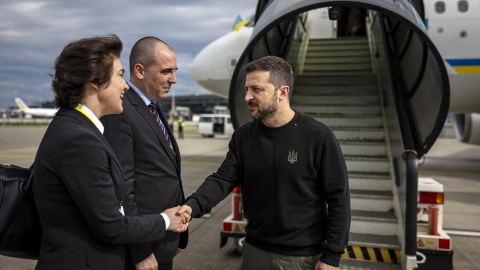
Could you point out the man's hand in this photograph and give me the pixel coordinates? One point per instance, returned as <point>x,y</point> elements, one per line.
<point>185,209</point>
<point>179,250</point>
<point>182,228</point>
<point>149,263</point>
<point>178,222</point>
<point>323,266</point>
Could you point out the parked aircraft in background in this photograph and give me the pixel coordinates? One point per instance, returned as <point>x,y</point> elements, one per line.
<point>35,112</point>
<point>452,26</point>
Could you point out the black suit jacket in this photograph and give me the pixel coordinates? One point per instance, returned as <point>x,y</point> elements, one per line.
<point>152,170</point>
<point>78,187</point>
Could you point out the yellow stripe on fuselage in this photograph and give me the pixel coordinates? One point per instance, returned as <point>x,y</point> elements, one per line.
<point>467,69</point>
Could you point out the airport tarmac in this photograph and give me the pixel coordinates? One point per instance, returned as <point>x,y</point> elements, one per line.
<point>453,164</point>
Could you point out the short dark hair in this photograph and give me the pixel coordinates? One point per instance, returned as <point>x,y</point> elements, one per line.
<point>81,62</point>
<point>281,72</point>
<point>143,52</point>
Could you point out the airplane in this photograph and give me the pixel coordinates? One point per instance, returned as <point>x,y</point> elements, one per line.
<point>35,112</point>
<point>451,26</point>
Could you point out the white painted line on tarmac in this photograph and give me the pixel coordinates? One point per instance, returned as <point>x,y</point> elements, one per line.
<point>463,233</point>
<point>450,173</point>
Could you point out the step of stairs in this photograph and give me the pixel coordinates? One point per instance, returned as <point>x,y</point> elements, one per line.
<point>357,148</point>
<point>373,248</point>
<point>338,67</point>
<point>338,59</point>
<point>371,200</point>
<point>338,41</point>
<point>343,79</point>
<point>320,99</point>
<point>352,109</point>
<point>362,121</point>
<point>341,52</point>
<point>359,71</point>
<point>369,181</point>
<point>373,222</point>
<point>359,134</point>
<point>367,164</point>
<point>312,90</point>
<point>359,47</point>
<point>368,240</point>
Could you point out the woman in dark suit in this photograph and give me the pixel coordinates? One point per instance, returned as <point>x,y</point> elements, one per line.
<point>78,182</point>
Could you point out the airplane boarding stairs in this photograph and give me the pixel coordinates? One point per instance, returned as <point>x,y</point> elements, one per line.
<point>338,88</point>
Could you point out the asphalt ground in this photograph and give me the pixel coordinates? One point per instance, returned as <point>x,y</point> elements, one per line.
<point>453,164</point>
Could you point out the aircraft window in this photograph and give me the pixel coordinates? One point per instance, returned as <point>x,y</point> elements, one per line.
<point>233,62</point>
<point>440,7</point>
<point>462,6</point>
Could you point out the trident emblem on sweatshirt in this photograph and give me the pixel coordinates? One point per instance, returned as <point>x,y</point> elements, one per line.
<point>292,156</point>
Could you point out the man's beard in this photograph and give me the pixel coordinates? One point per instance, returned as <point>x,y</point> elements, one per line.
<point>268,112</point>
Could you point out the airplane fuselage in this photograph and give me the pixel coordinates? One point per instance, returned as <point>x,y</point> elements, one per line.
<point>40,112</point>
<point>453,27</point>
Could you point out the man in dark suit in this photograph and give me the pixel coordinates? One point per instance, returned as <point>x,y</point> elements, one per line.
<point>146,147</point>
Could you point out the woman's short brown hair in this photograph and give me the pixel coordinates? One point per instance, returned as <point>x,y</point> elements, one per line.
<point>81,62</point>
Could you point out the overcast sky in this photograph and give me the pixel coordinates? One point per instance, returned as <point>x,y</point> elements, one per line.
<point>33,33</point>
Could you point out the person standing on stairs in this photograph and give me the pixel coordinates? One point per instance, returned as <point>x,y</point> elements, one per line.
<point>291,170</point>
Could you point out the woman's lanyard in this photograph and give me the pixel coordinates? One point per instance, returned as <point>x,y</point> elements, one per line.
<point>84,113</point>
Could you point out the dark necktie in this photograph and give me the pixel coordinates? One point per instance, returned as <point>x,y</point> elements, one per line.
<point>153,108</point>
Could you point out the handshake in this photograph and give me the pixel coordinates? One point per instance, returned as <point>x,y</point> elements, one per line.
<point>180,217</point>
